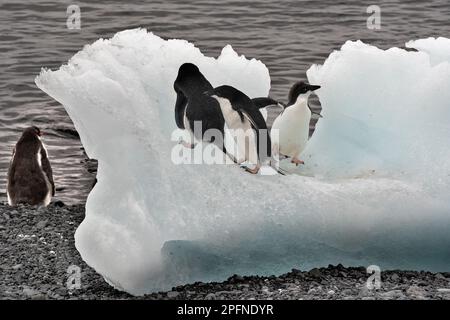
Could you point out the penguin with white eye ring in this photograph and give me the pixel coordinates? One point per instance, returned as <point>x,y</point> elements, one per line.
<point>30,177</point>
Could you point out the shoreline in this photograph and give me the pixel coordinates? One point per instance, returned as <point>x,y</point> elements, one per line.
<point>38,246</point>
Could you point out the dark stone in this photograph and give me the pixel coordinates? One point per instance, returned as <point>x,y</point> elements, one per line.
<point>59,204</point>
<point>315,273</point>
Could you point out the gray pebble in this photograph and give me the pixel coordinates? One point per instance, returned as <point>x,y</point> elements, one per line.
<point>416,292</point>
<point>61,291</point>
<point>41,224</point>
<point>210,296</point>
<point>172,294</point>
<point>441,276</point>
<point>395,277</point>
<point>315,273</point>
<point>444,290</point>
<point>393,294</point>
<point>29,292</point>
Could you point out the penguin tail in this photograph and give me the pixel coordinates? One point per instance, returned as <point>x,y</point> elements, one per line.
<point>264,102</point>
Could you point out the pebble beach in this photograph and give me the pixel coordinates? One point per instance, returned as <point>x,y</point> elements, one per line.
<point>38,247</point>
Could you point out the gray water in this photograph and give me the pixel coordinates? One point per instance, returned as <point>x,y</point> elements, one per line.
<point>288,36</point>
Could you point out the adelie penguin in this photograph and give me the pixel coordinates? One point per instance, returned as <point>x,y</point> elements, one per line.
<point>290,130</point>
<point>195,104</point>
<point>215,108</point>
<point>30,177</point>
<point>248,127</point>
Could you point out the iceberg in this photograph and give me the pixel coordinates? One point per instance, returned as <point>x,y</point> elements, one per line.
<point>374,189</point>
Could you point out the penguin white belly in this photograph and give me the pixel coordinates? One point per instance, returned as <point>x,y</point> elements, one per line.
<point>9,198</point>
<point>7,186</point>
<point>187,126</point>
<point>292,127</point>
<point>48,196</point>
<point>240,132</point>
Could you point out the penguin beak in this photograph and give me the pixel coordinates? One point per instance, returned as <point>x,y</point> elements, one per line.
<point>312,87</point>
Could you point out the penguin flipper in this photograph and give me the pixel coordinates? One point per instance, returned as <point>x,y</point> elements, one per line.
<point>252,114</point>
<point>259,124</point>
<point>263,102</point>
<point>249,118</point>
<point>46,167</point>
<point>241,103</point>
<point>180,106</point>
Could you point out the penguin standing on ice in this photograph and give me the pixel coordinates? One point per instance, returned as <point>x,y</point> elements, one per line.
<point>195,104</point>
<point>290,130</point>
<point>249,127</point>
<point>225,106</point>
<point>30,178</point>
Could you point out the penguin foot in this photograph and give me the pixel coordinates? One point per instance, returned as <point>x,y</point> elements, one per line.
<point>187,144</point>
<point>297,161</point>
<point>255,170</point>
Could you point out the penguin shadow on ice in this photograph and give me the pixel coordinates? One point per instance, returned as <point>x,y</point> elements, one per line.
<point>223,113</point>
<point>290,129</point>
<point>30,176</point>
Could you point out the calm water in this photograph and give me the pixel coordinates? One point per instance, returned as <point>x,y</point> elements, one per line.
<point>288,36</point>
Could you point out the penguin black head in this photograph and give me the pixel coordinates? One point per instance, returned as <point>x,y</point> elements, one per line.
<point>31,132</point>
<point>30,177</point>
<point>187,69</point>
<point>191,81</point>
<point>299,88</point>
<point>37,131</point>
<point>29,142</point>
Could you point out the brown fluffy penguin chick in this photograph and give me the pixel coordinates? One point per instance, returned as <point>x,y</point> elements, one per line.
<point>30,178</point>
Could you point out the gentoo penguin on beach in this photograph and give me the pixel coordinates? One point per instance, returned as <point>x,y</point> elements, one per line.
<point>290,130</point>
<point>30,178</point>
<point>225,106</point>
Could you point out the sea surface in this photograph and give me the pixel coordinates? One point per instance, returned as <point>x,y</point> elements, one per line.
<point>288,36</point>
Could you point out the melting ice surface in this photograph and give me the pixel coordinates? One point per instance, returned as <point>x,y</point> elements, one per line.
<point>375,188</point>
